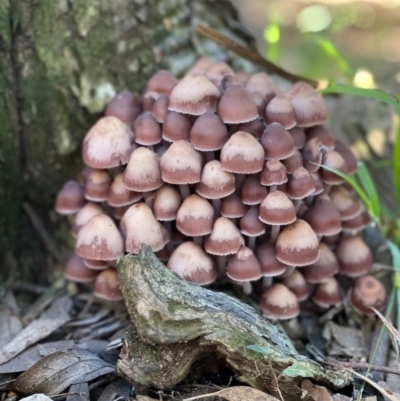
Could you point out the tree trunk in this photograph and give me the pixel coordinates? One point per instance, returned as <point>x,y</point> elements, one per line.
<point>60,63</point>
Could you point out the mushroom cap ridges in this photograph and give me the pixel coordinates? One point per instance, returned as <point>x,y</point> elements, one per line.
<point>147,130</point>
<point>107,144</point>
<point>161,83</point>
<point>215,183</point>
<point>354,256</point>
<point>277,209</point>
<point>195,216</point>
<point>119,195</point>
<point>84,215</point>
<point>280,110</point>
<point>367,292</point>
<point>75,270</point>
<point>99,239</point>
<point>327,294</point>
<point>181,164</point>
<point>324,268</point>
<point>142,174</point>
<point>190,262</point>
<point>273,173</point>
<point>225,238</point>
<point>194,95</point>
<point>166,203</point>
<point>278,302</point>
<point>242,154</point>
<point>70,199</point>
<point>297,244</point>
<point>142,228</point>
<point>106,286</point>
<point>236,106</point>
<point>243,266</point>
<point>277,142</point>
<point>270,265</point>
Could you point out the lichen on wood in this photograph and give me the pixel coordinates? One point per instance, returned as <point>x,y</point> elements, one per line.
<point>176,323</point>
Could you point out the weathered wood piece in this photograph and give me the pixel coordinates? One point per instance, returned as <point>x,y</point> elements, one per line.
<point>177,323</point>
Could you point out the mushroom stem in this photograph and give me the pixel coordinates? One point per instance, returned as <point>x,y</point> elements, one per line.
<point>146,195</point>
<point>169,245</point>
<point>209,156</point>
<point>272,188</point>
<point>251,242</point>
<point>247,288</point>
<point>239,181</point>
<point>217,207</point>
<point>289,270</point>
<point>274,233</point>
<point>221,266</point>
<point>297,204</point>
<point>267,282</point>
<point>198,241</point>
<point>184,190</point>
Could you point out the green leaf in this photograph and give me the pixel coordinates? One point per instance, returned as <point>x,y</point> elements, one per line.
<point>396,164</point>
<point>260,349</point>
<point>368,184</point>
<point>375,94</point>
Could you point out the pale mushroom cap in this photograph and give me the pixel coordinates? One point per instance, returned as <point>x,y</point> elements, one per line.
<point>327,294</point>
<point>99,239</point>
<point>367,293</point>
<point>273,206</point>
<point>143,228</point>
<point>181,164</point>
<point>106,286</point>
<point>70,199</point>
<point>242,154</point>
<point>280,110</point>
<point>166,203</point>
<point>107,144</point>
<point>161,83</point>
<point>243,266</point>
<point>261,82</point>
<point>190,262</point>
<point>142,173</point>
<point>352,250</point>
<point>335,160</point>
<point>297,244</point>
<point>194,95</point>
<point>84,215</point>
<point>278,302</point>
<point>119,195</point>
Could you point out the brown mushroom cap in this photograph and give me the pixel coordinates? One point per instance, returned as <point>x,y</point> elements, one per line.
<point>277,142</point>
<point>297,245</point>
<point>225,238</point>
<point>96,264</point>
<point>312,154</point>
<point>119,195</point>
<point>232,206</point>
<point>277,209</point>
<point>319,185</point>
<point>324,268</point>
<point>84,215</point>
<point>75,270</point>
<point>273,173</point>
<point>367,293</point>
<point>181,164</point>
<point>278,302</point>
<point>195,216</point>
<point>97,186</point>
<point>217,71</point>
<point>354,256</point>
<point>357,223</point>
<point>194,95</point>
<point>70,199</point>
<point>348,156</point>
<point>243,266</point>
<point>215,183</point>
<point>236,106</point>
<point>280,110</point>
<point>99,239</point>
<point>161,83</point>
<point>334,160</point>
<point>160,108</point>
<point>254,128</point>
<point>190,262</point>
<point>250,224</point>
<point>270,265</point>
<point>166,203</point>
<point>345,203</point>
<point>327,294</point>
<point>107,144</point>
<point>142,228</point>
<point>299,137</point>
<point>293,162</point>
<point>260,82</point>
<point>123,106</point>
<point>106,286</point>
<point>297,284</point>
<point>300,184</point>
<point>142,174</point>
<point>242,154</point>
<point>319,131</point>
<point>252,192</point>
<point>147,130</point>
<point>176,127</point>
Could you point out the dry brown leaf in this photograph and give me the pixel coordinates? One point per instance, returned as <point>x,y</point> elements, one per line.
<point>318,393</point>
<point>52,319</point>
<point>238,393</point>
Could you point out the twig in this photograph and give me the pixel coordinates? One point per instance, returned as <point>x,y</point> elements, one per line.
<point>361,365</point>
<point>42,232</point>
<point>249,54</point>
<point>63,395</point>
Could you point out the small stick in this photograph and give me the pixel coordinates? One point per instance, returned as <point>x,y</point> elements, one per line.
<point>361,365</point>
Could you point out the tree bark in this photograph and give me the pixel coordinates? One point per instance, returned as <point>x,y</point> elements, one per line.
<point>60,62</point>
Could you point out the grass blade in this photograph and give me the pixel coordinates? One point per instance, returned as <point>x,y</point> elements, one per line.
<point>368,184</point>
<point>396,164</point>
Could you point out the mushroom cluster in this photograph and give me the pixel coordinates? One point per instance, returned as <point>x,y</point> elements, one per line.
<point>220,174</point>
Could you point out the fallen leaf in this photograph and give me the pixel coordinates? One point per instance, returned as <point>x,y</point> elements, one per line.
<point>81,391</point>
<point>36,397</point>
<point>318,393</point>
<point>57,371</point>
<point>10,324</point>
<point>52,319</point>
<point>238,393</point>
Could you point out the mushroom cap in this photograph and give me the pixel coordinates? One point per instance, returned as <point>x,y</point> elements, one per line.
<point>215,183</point>
<point>200,66</point>
<point>176,127</point>
<point>277,142</point>
<point>277,209</point>
<point>84,215</point>
<point>319,185</point>
<point>208,133</point>
<point>106,286</point>
<point>243,266</point>
<point>348,156</point>
<point>99,239</point>
<point>70,199</point>
<point>367,292</point>
<point>260,102</point>
<point>260,82</point>
<point>357,223</point>
<point>190,262</point>
<point>319,131</point>
<point>293,162</point>
<point>250,224</point>
<point>254,128</point>
<point>278,302</point>
<point>218,71</point>
<point>107,144</point>
<point>142,174</point>
<point>225,238</point>
<point>280,110</point>
<point>161,83</point>
<point>195,216</point>
<point>324,268</point>
<point>334,160</point>
<point>300,184</point>
<point>194,95</point>
<point>345,203</point>
<point>299,137</point>
<point>296,283</point>
<point>309,106</point>
<point>312,154</point>
<point>266,255</point>
<point>123,106</point>
<point>252,191</point>
<point>119,195</point>
<point>160,108</point>
<point>181,164</point>
<point>273,173</point>
<point>147,130</point>
<point>354,256</point>
<point>297,245</point>
<point>236,106</point>
<point>141,227</point>
<point>96,264</point>
<point>75,270</point>
<point>242,154</point>
<point>327,294</point>
<point>166,203</point>
<point>97,186</point>
<point>232,206</point>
